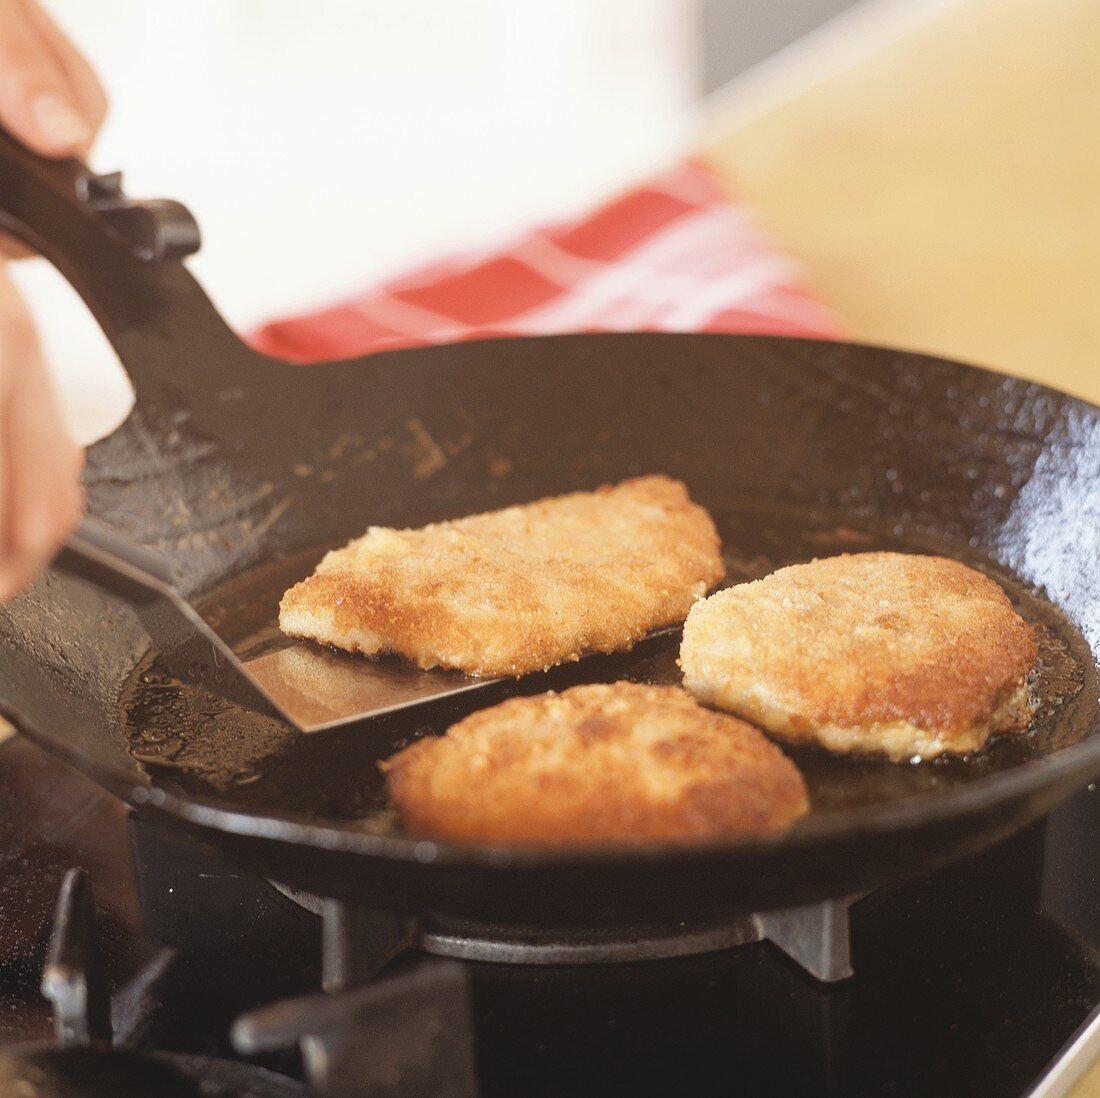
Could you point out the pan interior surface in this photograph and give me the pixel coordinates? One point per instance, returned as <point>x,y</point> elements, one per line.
<point>195,744</point>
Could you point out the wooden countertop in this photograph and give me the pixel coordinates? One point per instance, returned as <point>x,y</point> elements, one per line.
<point>936,167</point>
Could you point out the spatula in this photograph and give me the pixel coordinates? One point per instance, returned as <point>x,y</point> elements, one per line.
<point>304,684</point>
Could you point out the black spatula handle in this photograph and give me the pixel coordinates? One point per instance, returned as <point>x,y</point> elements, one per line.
<point>122,256</point>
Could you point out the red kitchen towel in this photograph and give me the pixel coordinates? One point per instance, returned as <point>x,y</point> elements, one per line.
<point>671,255</point>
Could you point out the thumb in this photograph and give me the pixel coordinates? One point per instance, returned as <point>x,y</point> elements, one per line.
<point>36,102</point>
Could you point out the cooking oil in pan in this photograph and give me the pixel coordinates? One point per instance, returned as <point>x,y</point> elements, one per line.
<point>186,738</point>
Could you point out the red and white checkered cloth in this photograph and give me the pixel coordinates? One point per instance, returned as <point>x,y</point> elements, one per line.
<point>672,255</point>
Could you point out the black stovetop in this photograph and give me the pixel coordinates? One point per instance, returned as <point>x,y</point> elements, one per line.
<point>967,982</point>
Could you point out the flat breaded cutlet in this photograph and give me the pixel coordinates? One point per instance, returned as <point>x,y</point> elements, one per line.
<point>891,654</point>
<point>516,590</point>
<point>614,763</point>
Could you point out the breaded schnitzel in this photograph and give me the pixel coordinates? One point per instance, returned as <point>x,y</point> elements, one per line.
<point>873,653</point>
<point>516,590</point>
<point>617,763</point>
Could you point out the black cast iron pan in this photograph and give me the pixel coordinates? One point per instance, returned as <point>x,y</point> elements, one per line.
<point>239,470</point>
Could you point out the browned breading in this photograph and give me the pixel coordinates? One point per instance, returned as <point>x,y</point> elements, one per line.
<point>618,763</point>
<point>874,653</point>
<point>520,589</point>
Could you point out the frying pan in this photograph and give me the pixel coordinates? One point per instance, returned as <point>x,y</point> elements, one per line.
<point>239,470</point>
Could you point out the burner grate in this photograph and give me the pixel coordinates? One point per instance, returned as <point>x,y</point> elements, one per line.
<point>84,1063</point>
<point>359,940</point>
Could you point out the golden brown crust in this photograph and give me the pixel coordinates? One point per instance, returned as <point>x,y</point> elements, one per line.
<point>520,589</point>
<point>880,653</point>
<point>620,763</point>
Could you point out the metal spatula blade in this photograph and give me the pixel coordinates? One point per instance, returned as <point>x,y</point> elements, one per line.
<point>186,646</point>
<point>308,686</point>
<point>319,689</point>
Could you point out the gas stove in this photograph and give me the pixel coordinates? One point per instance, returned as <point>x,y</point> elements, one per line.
<point>191,976</point>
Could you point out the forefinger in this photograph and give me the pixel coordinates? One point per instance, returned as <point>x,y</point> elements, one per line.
<point>90,98</point>
<point>36,99</point>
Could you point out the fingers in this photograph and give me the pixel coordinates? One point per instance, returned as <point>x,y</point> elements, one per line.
<point>39,463</point>
<point>44,498</point>
<point>49,98</point>
<point>11,247</point>
<point>88,92</point>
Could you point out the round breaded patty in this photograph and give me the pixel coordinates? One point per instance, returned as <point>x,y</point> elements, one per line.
<point>619,763</point>
<point>873,653</point>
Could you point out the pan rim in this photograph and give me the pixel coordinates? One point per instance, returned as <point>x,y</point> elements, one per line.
<point>925,810</point>
<point>389,357</point>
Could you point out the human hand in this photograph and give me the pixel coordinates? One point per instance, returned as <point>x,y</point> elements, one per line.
<point>51,100</point>
<point>40,497</point>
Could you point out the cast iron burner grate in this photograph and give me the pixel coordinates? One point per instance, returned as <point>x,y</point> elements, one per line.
<point>392,1010</point>
<point>253,957</point>
<point>418,1024</point>
<point>406,1035</point>
<point>84,1062</point>
<point>359,940</point>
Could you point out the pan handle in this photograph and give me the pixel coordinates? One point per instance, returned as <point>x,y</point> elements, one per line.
<point>122,256</point>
